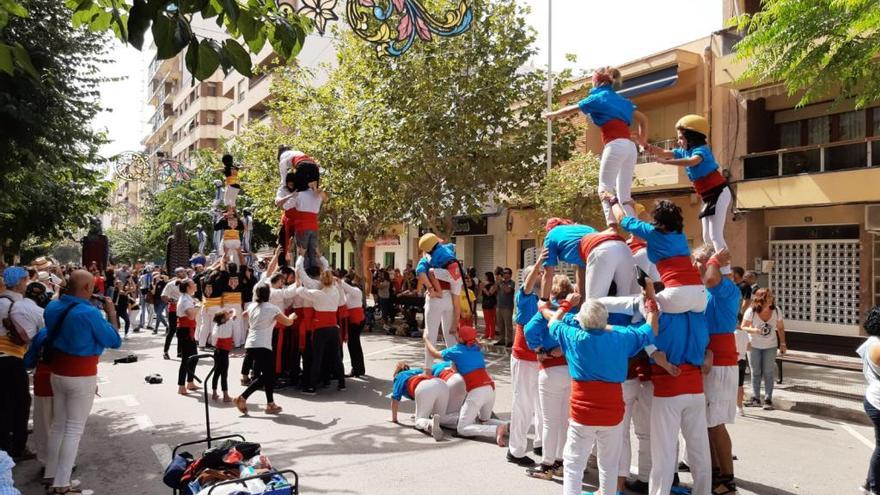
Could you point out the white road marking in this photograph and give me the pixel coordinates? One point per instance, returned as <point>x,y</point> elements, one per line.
<point>496,361</point>
<point>858,436</point>
<point>163,454</point>
<point>381,351</point>
<point>143,422</point>
<point>128,400</point>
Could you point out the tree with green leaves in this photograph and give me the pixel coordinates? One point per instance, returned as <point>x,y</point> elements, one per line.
<point>568,191</point>
<point>131,245</point>
<point>254,22</point>
<point>815,47</point>
<point>51,182</point>
<point>467,117</point>
<point>346,126</point>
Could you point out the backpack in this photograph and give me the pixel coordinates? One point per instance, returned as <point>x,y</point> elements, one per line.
<point>11,330</point>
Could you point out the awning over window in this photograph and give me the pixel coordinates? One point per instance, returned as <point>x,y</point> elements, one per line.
<point>651,81</point>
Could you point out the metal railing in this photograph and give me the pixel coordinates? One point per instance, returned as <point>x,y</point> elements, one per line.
<point>828,157</point>
<point>666,144</point>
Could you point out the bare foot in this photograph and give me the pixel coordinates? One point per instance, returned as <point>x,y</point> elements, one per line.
<point>500,433</point>
<point>273,409</point>
<point>241,404</point>
<point>215,396</point>
<point>227,398</point>
<point>181,390</point>
<point>192,386</point>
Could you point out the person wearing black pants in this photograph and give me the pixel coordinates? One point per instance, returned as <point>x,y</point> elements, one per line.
<point>170,295</point>
<point>15,407</point>
<point>323,296</point>
<point>186,336</point>
<point>263,317</point>
<point>223,342</point>
<point>355,306</point>
<point>326,353</point>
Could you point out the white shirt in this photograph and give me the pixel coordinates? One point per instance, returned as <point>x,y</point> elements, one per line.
<point>324,299</point>
<point>283,192</point>
<point>871,372</point>
<point>308,201</point>
<point>766,338</point>
<point>28,316</point>
<point>262,323</point>
<point>353,295</point>
<point>4,306</point>
<point>184,303</point>
<point>223,330</point>
<point>171,291</point>
<point>285,162</point>
<point>742,343</point>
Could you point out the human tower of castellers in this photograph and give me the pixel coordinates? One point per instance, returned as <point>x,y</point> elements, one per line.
<point>645,336</point>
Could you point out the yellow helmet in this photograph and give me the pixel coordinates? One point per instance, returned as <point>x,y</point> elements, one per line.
<point>640,208</point>
<point>694,123</point>
<point>428,241</point>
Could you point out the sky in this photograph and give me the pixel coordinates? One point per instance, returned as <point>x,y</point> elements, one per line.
<point>597,32</point>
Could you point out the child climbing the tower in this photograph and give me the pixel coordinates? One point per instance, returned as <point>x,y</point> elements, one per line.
<point>695,155</point>
<point>233,188</point>
<point>614,114</point>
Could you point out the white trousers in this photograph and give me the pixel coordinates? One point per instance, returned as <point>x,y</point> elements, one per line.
<point>642,261</point>
<point>637,396</point>
<point>669,415</point>
<point>475,418</point>
<point>238,334</point>
<point>230,248</point>
<point>577,450</point>
<point>457,393</point>
<point>682,299</point>
<point>438,313</point>
<point>554,390</point>
<point>625,305</point>
<point>524,375</point>
<point>431,398</point>
<point>616,169</point>
<point>42,424</point>
<point>611,261</point>
<point>230,195</point>
<point>719,387</point>
<point>206,322</point>
<point>713,225</point>
<point>71,405</point>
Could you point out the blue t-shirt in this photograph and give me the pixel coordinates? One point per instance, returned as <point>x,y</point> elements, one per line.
<point>564,244</point>
<point>599,354</point>
<point>661,245</point>
<point>702,169</point>
<point>722,307</point>
<point>526,306</point>
<point>442,255</point>
<point>603,104</point>
<point>439,367</point>
<point>84,331</point>
<point>536,330</point>
<point>683,337</point>
<point>399,388</point>
<point>466,358</point>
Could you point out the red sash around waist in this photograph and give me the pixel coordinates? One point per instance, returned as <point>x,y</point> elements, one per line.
<point>590,241</point>
<point>677,271</point>
<point>446,374</point>
<point>172,307</point>
<point>42,380</point>
<point>64,364</point>
<point>476,379</point>
<point>520,350</point>
<point>342,318</point>
<point>356,315</point>
<point>709,182</point>
<point>413,383</point>
<point>636,244</point>
<point>553,361</point>
<point>595,403</point>
<point>614,129</point>
<point>306,324</point>
<point>224,344</point>
<point>323,319</point>
<point>690,381</point>
<point>723,347</point>
<point>189,324</point>
<point>305,220</point>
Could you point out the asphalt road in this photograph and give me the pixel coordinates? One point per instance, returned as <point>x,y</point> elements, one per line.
<point>344,442</point>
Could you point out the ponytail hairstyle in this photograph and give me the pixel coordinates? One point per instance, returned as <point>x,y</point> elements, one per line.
<point>762,298</point>
<point>327,278</point>
<point>263,293</point>
<point>221,317</point>
<point>607,75</point>
<point>667,216</point>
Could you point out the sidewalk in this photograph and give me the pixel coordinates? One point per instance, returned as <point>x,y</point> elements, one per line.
<point>833,393</point>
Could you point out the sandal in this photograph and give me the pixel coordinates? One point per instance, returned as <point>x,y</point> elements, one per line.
<point>725,487</point>
<point>273,409</point>
<point>66,489</point>
<point>241,403</point>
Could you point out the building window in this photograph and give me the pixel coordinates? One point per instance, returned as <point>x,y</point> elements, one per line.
<point>388,260</point>
<point>209,118</point>
<point>790,135</point>
<point>351,261</point>
<point>524,245</point>
<point>818,130</point>
<point>333,260</point>
<point>239,123</point>
<point>852,125</point>
<point>242,89</point>
<point>211,89</point>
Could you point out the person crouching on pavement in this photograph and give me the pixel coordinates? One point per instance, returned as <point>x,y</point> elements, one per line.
<point>429,393</point>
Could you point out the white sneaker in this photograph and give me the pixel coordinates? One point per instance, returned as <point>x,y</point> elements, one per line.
<point>436,430</point>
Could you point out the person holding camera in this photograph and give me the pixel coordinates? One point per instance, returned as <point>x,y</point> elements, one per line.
<point>77,335</point>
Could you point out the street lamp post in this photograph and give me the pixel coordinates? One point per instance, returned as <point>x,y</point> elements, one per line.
<point>549,83</point>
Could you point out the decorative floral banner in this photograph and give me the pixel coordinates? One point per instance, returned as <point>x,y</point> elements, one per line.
<point>394,25</point>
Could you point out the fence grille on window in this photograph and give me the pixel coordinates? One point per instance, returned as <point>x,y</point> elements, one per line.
<point>564,268</point>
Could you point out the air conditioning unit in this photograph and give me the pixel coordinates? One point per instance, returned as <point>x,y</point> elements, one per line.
<point>872,219</point>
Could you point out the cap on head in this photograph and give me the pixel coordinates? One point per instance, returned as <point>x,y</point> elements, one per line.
<point>467,334</point>
<point>428,241</point>
<point>695,123</point>
<point>14,275</point>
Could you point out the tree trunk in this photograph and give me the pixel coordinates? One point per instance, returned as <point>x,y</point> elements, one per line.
<point>360,240</point>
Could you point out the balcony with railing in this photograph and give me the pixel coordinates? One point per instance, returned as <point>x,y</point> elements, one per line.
<point>833,173</point>
<point>655,176</point>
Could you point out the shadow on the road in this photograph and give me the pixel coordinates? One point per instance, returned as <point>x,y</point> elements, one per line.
<point>761,489</point>
<point>790,422</point>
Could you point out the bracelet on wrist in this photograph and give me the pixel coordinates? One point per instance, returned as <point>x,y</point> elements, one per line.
<point>651,306</point>
<point>613,201</point>
<point>565,306</point>
<point>713,261</point>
